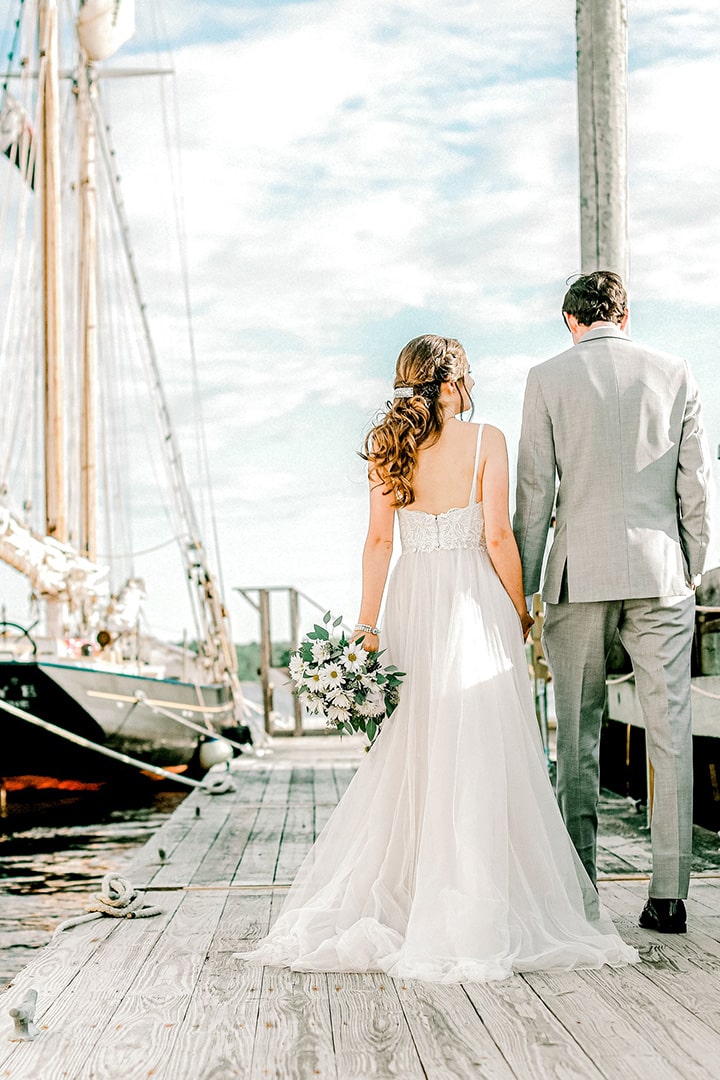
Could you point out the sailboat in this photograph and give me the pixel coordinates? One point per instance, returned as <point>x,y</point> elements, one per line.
<point>85,662</point>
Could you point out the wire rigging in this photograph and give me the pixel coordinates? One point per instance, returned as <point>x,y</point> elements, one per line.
<point>174,151</point>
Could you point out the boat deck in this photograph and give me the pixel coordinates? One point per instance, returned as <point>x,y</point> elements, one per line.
<point>163,997</point>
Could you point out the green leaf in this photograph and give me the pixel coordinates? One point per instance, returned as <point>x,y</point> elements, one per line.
<point>338,621</point>
<point>371,729</point>
<point>327,617</point>
<point>321,633</point>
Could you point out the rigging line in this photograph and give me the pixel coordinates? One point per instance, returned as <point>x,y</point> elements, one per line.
<point>182,243</point>
<point>15,39</point>
<point>115,347</point>
<point>167,431</point>
<point>175,160</point>
<point>121,353</point>
<point>145,551</point>
<point>17,289</point>
<point>14,157</point>
<point>214,631</point>
<point>182,519</point>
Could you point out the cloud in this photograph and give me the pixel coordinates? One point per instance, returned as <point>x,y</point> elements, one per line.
<point>674,170</point>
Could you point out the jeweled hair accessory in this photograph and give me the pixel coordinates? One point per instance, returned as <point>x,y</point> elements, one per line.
<point>403,391</point>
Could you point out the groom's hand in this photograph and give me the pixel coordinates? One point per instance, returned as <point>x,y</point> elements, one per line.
<point>526,621</point>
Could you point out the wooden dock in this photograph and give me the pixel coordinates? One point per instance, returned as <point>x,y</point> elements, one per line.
<point>164,998</point>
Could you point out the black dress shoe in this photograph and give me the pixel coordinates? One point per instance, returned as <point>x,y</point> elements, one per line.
<point>665,916</point>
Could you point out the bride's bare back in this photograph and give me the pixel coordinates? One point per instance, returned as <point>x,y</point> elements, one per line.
<point>443,475</point>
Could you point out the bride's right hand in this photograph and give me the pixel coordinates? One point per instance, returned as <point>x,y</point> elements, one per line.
<point>526,621</point>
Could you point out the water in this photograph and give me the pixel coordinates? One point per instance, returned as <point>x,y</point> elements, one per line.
<point>54,852</point>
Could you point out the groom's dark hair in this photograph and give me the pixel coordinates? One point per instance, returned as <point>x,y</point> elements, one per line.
<point>596,297</point>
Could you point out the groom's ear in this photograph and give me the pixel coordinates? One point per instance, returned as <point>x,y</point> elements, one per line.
<point>624,320</point>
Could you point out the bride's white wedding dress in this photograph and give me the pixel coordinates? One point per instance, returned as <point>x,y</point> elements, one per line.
<point>447,858</point>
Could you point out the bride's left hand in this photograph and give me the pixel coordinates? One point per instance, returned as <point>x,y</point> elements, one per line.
<point>369,642</point>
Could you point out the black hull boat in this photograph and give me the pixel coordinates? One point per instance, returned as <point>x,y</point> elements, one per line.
<point>143,717</point>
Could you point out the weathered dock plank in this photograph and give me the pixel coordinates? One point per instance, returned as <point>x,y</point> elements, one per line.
<point>260,856</point>
<point>297,839</point>
<point>532,1041</point>
<point>218,1033</point>
<point>294,1038</point>
<point>451,1038</point>
<point>370,1032</point>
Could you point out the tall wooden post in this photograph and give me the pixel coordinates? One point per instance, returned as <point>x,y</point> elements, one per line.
<point>602,119</point>
<point>294,642</point>
<point>266,658</point>
<point>88,313</point>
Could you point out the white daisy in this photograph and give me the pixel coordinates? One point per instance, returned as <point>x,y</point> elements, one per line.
<point>320,651</point>
<point>353,657</point>
<point>313,704</point>
<point>296,668</point>
<point>341,700</point>
<point>338,715</point>
<point>331,677</point>
<point>314,681</point>
<point>375,704</point>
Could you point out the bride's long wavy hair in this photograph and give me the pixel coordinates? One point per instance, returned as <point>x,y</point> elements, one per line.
<point>391,447</point>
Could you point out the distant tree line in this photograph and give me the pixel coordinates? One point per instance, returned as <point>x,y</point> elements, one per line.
<point>249,658</point>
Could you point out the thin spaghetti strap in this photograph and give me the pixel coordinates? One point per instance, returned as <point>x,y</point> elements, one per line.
<point>473,489</point>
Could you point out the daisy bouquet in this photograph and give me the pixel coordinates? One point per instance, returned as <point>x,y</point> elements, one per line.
<point>342,681</point>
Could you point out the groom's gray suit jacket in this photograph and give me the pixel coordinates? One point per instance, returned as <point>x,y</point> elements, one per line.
<point>619,426</point>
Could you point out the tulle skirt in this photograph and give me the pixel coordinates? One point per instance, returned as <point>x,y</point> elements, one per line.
<point>447,858</point>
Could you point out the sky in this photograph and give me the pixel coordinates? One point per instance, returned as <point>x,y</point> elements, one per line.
<point>353,176</point>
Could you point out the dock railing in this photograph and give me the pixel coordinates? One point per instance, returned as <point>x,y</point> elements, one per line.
<point>259,598</point>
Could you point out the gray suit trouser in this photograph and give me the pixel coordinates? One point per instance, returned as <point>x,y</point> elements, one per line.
<point>657,634</point>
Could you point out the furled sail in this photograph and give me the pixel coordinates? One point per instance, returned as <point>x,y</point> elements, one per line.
<point>105,25</point>
<point>54,570</point>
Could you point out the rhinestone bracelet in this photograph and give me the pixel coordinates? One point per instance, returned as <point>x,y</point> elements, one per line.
<point>368,629</point>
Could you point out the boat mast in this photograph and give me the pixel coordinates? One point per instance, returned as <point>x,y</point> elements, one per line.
<point>602,122</point>
<point>55,505</point>
<point>55,510</point>
<point>88,311</point>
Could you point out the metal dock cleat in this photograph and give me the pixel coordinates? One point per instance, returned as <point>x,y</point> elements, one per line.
<point>23,1015</point>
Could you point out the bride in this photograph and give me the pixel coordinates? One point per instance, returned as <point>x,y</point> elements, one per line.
<point>447,858</point>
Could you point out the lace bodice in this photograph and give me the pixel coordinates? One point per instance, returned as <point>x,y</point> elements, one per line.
<point>461,527</point>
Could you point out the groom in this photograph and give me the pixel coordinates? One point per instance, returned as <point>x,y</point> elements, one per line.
<point>616,429</point>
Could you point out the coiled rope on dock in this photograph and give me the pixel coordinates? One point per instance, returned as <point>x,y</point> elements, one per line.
<point>118,899</point>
